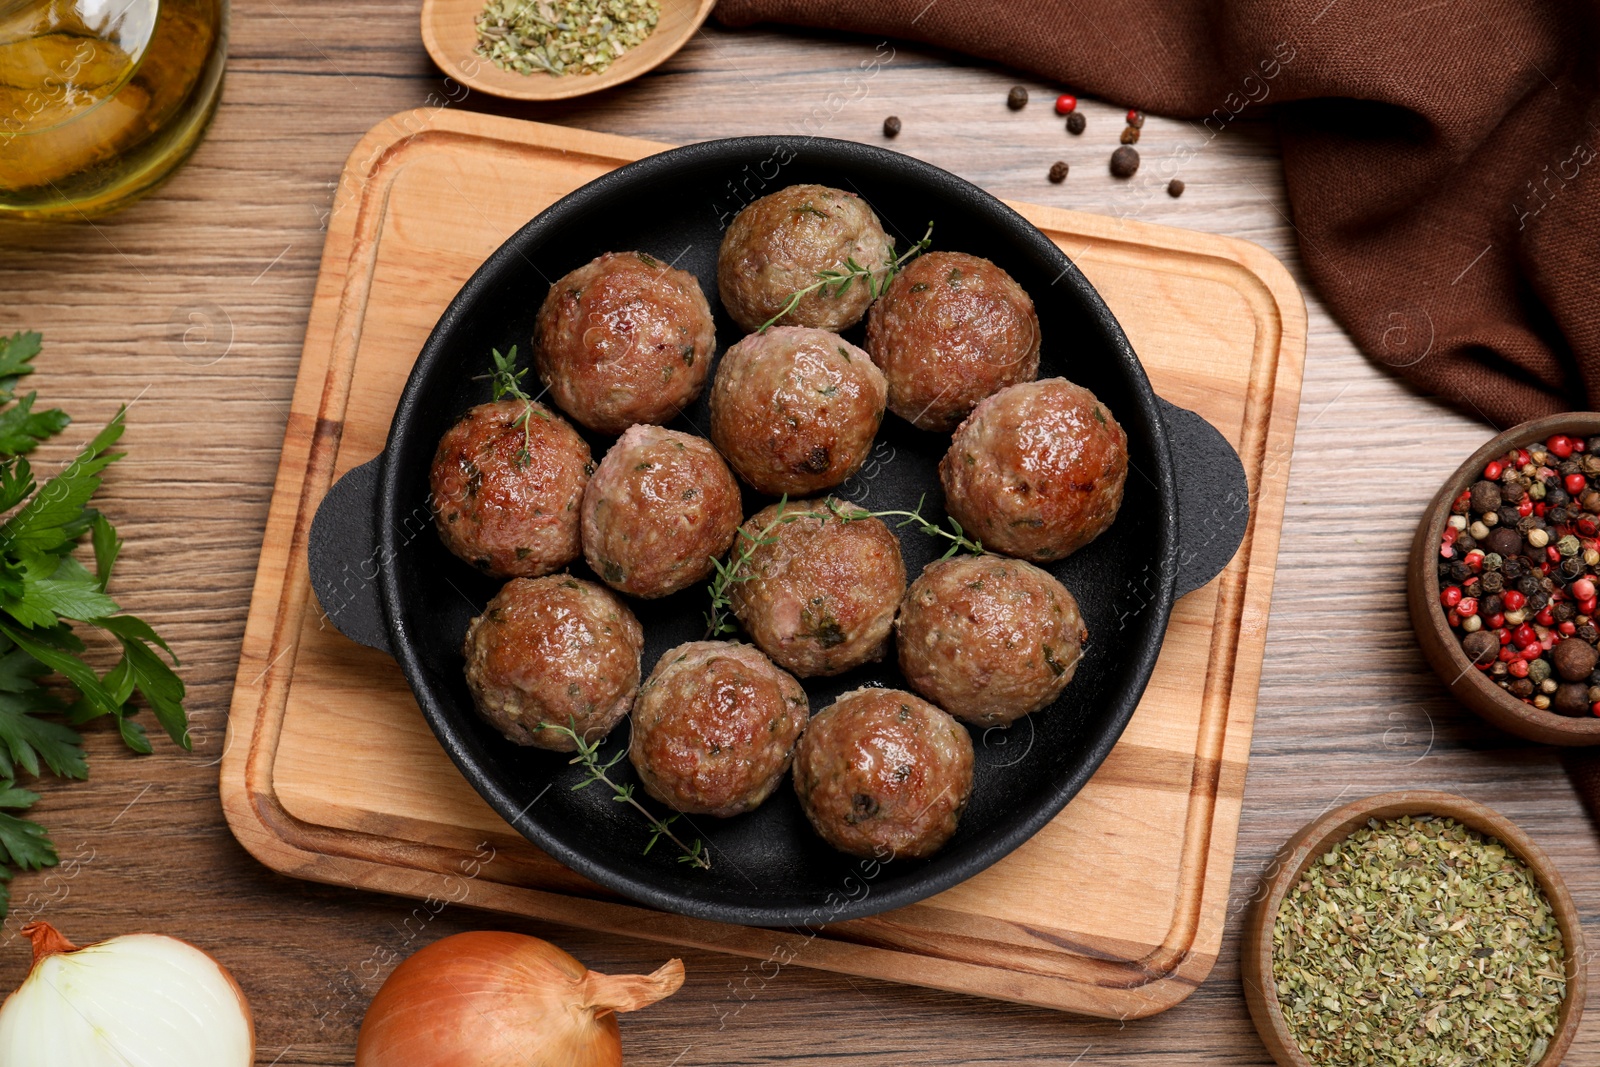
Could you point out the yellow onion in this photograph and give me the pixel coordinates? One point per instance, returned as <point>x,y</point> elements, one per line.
<point>141,1000</point>
<point>488,999</point>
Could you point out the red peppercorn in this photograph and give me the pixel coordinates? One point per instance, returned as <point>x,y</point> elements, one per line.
<point>1495,621</point>
<point>1576,483</point>
<point>1493,471</point>
<point>1533,652</point>
<point>1582,589</point>
<point>1587,607</point>
<point>1066,103</point>
<point>1505,638</point>
<point>1523,459</point>
<point>1474,559</point>
<point>1560,446</point>
<point>1513,599</point>
<point>1467,606</point>
<point>1568,628</point>
<point>1578,445</point>
<point>1544,618</point>
<point>1544,568</point>
<point>1595,707</point>
<point>1587,526</point>
<point>1525,507</point>
<point>1453,619</point>
<point>1524,635</point>
<point>1518,668</point>
<point>1508,654</point>
<point>1538,509</point>
<point>1452,596</point>
<point>1553,553</point>
<point>1134,117</point>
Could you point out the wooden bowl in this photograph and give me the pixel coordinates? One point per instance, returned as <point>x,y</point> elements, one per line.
<point>1321,834</point>
<point>1440,644</point>
<point>450,33</point>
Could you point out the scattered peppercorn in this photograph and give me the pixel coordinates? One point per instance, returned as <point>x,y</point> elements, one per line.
<point>891,126</point>
<point>1130,135</point>
<point>1058,172</point>
<point>1076,123</point>
<point>1135,118</point>
<point>1175,188</point>
<point>1066,104</point>
<point>1017,98</point>
<point>1124,162</point>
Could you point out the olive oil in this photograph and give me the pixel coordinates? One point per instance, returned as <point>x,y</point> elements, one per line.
<point>101,99</point>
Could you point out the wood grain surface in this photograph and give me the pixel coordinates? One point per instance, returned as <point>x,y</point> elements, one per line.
<point>192,306</point>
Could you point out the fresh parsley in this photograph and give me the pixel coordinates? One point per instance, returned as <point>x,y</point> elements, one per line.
<point>47,689</point>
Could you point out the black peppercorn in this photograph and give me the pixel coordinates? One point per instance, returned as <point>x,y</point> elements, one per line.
<point>1556,497</point>
<point>1537,601</point>
<point>1512,493</point>
<point>1521,688</point>
<point>1528,585</point>
<point>1593,444</point>
<point>1570,568</point>
<point>1493,603</point>
<point>1557,516</point>
<point>1590,500</point>
<point>1512,569</point>
<point>1017,98</point>
<point>1130,135</point>
<point>1570,699</point>
<point>1492,582</point>
<point>1564,611</point>
<point>1175,188</point>
<point>1481,646</point>
<point>1124,162</point>
<point>891,126</point>
<point>1076,122</point>
<point>1058,172</point>
<point>1466,543</point>
<point>1588,632</point>
<point>1459,571</point>
<point>1485,496</point>
<point>1571,466</point>
<point>1505,540</point>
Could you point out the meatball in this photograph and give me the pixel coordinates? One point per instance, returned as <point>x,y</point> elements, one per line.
<point>820,596</point>
<point>506,485</point>
<point>553,650</point>
<point>714,728</point>
<point>988,639</point>
<point>1037,470</point>
<point>795,410</point>
<point>777,245</point>
<point>951,330</point>
<point>883,773</point>
<point>624,339</point>
<point>660,507</point>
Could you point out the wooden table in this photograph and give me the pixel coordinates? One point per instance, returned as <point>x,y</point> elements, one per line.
<point>191,306</point>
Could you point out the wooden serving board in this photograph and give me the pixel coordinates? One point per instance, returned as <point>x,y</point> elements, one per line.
<point>1115,909</point>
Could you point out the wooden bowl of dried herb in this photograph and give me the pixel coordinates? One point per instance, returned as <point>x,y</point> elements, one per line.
<point>1414,928</point>
<point>555,49</point>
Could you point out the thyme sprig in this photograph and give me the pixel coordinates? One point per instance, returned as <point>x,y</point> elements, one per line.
<point>957,537</point>
<point>588,757</point>
<point>506,380</point>
<point>730,573</point>
<point>841,280</point>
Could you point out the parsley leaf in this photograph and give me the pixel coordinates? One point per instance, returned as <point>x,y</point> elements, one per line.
<point>44,590</point>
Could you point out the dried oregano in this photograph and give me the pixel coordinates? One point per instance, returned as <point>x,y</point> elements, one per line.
<point>564,37</point>
<point>1419,941</point>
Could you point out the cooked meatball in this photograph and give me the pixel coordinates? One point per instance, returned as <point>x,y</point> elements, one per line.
<point>624,339</point>
<point>1037,469</point>
<point>951,330</point>
<point>987,638</point>
<point>776,246</point>
<point>714,728</point>
<point>883,773</point>
<point>821,595</point>
<point>553,650</point>
<point>795,410</point>
<point>506,489</point>
<point>660,507</point>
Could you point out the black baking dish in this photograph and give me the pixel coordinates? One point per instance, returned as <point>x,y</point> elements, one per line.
<point>386,581</point>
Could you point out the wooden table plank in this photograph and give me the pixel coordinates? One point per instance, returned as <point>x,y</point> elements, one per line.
<point>1347,704</point>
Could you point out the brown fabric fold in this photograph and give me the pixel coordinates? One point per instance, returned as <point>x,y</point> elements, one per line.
<point>1442,159</point>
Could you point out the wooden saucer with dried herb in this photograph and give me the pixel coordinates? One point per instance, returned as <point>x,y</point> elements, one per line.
<point>563,36</point>
<point>1419,941</point>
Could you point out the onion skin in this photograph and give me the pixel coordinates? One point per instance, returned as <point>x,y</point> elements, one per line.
<point>492,999</point>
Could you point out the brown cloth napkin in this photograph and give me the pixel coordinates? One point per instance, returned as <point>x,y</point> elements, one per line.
<point>1442,157</point>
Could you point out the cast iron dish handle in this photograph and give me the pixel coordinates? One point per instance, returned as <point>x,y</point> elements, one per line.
<point>1213,511</point>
